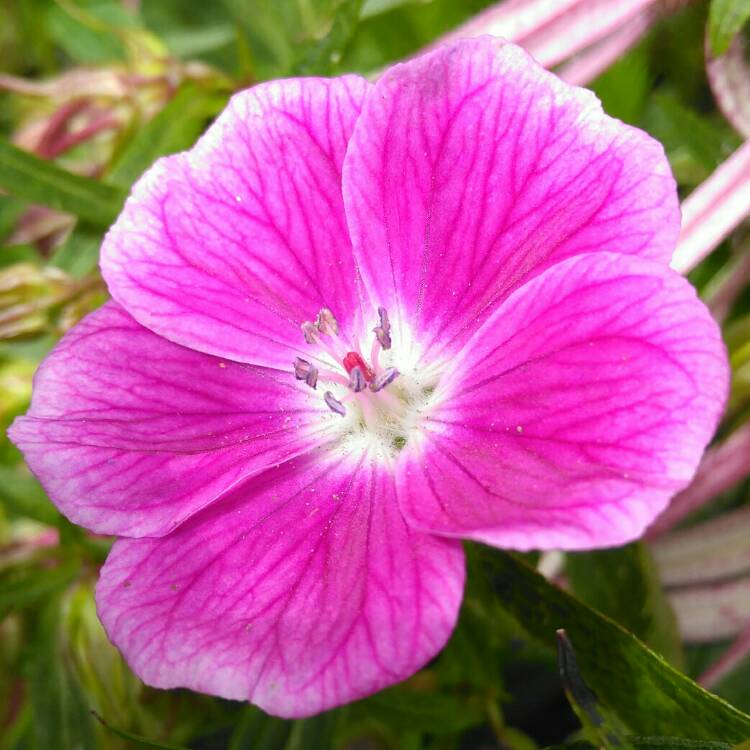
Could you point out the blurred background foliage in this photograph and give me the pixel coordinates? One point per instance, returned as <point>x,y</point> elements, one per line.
<point>91,92</point>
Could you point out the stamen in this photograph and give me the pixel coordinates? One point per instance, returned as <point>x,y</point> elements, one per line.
<point>310,332</point>
<point>334,404</point>
<point>375,355</point>
<point>326,323</point>
<point>304,370</point>
<point>383,331</point>
<point>357,380</point>
<point>329,376</point>
<point>385,378</point>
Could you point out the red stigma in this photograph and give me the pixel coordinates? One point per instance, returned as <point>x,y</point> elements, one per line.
<point>352,360</point>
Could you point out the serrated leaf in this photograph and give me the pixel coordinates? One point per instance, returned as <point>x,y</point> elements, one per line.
<point>29,178</point>
<point>725,19</point>
<point>648,695</point>
<point>623,584</point>
<point>173,129</point>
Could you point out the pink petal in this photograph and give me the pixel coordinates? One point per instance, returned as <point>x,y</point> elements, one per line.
<point>228,247</point>
<point>472,169</point>
<point>131,434</point>
<point>580,407</point>
<point>303,590</point>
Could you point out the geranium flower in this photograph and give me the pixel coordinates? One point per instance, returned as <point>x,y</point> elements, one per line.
<point>354,325</point>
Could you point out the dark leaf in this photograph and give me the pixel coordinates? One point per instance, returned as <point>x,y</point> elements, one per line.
<point>648,695</point>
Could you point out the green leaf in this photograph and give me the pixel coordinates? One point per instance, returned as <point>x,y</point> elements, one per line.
<point>60,717</point>
<point>725,19</point>
<point>323,56</point>
<point>258,731</point>
<point>31,584</point>
<point>676,743</point>
<point>623,584</point>
<point>420,710</point>
<point>173,129</point>
<point>624,87</point>
<point>706,140</point>
<point>316,732</point>
<point>79,254</point>
<point>648,695</point>
<point>10,211</point>
<point>22,495</point>
<point>187,43</point>
<point>85,30</point>
<point>654,743</point>
<point>136,738</point>
<point>29,178</point>
<point>599,723</point>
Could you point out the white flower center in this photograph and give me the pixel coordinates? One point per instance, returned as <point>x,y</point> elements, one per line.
<point>381,402</point>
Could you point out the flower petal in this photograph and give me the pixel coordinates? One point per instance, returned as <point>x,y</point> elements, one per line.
<point>304,590</point>
<point>131,434</point>
<point>579,408</point>
<point>471,169</point>
<point>228,247</point>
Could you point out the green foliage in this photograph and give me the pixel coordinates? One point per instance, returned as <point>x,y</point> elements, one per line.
<point>726,18</point>
<point>60,716</point>
<point>136,739</point>
<point>645,692</point>
<point>323,56</point>
<point>32,179</point>
<point>499,681</point>
<point>623,584</point>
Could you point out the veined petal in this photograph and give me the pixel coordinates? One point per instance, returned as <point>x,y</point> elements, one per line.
<point>579,408</point>
<point>130,434</point>
<point>228,247</point>
<point>471,169</point>
<point>304,590</point>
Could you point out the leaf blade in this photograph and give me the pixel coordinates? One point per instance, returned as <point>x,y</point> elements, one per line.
<point>651,697</point>
<point>30,178</point>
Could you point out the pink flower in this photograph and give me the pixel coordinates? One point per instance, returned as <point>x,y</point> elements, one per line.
<point>354,325</point>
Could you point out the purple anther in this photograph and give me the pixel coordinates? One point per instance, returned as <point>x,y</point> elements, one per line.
<point>301,368</point>
<point>334,404</point>
<point>385,324</point>
<point>304,370</point>
<point>310,332</point>
<point>326,323</point>
<point>383,331</point>
<point>385,378</point>
<point>357,380</point>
